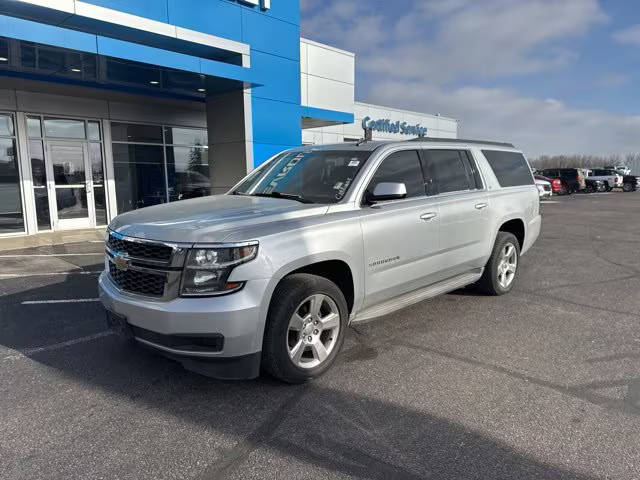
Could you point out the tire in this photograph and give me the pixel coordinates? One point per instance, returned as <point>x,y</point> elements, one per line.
<point>589,189</point>
<point>296,294</point>
<point>490,283</point>
<point>627,187</point>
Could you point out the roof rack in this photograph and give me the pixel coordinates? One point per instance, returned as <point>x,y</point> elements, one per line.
<point>460,140</point>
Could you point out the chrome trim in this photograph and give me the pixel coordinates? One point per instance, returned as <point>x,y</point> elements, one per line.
<point>120,236</point>
<point>112,253</point>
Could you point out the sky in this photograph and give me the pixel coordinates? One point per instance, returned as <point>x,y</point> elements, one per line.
<point>551,76</point>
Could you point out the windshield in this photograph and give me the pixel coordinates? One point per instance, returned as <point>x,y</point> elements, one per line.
<point>320,176</point>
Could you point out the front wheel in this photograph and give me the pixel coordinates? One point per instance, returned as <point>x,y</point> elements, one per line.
<point>627,187</point>
<point>501,270</point>
<point>305,328</point>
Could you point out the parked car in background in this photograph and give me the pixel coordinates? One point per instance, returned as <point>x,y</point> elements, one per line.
<point>621,169</point>
<point>613,178</point>
<point>592,185</point>
<point>544,187</point>
<point>630,183</point>
<point>583,173</point>
<point>569,179</point>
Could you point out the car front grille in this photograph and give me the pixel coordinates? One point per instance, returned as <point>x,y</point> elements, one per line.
<point>141,250</point>
<point>135,281</point>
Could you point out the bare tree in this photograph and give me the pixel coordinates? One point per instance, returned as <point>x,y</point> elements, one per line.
<point>632,160</point>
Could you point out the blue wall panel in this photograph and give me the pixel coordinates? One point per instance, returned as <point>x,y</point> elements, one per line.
<point>263,151</point>
<point>276,122</point>
<point>270,35</point>
<point>215,17</point>
<point>279,76</point>
<point>50,35</point>
<point>153,9</point>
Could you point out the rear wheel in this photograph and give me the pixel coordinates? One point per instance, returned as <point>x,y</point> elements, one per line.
<point>627,187</point>
<point>501,271</point>
<point>589,189</point>
<point>305,328</point>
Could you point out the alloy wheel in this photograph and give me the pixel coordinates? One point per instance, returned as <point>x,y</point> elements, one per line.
<point>508,265</point>
<point>313,331</point>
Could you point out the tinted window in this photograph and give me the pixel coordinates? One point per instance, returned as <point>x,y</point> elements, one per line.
<point>448,170</point>
<point>401,167</point>
<point>511,168</point>
<point>128,132</point>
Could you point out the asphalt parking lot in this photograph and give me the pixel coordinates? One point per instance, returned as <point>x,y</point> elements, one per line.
<point>541,384</point>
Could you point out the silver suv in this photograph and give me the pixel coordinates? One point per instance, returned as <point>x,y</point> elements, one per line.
<point>270,275</point>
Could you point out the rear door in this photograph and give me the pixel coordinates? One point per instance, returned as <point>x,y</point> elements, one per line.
<point>464,208</point>
<point>400,237</point>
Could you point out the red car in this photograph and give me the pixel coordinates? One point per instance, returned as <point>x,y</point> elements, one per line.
<point>558,187</point>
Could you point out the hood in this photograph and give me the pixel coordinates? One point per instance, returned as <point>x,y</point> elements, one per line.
<point>209,219</point>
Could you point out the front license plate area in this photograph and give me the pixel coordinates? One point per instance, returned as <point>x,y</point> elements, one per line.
<point>118,324</point>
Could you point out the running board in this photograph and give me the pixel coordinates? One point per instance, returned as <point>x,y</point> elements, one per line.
<point>416,296</point>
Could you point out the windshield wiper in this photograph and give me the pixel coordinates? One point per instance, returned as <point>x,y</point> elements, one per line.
<point>287,196</point>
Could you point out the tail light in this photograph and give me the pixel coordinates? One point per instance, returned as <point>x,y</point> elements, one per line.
<point>557,184</point>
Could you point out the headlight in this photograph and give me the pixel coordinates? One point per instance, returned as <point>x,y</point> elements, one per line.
<point>207,270</point>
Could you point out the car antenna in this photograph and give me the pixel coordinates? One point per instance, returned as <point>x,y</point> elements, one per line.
<point>368,136</point>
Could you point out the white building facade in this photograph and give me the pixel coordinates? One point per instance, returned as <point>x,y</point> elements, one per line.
<point>328,82</point>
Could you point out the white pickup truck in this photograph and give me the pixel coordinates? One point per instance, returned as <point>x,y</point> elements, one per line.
<point>613,178</point>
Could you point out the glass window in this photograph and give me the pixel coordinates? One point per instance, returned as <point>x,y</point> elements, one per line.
<point>314,176</point>
<point>33,127</point>
<point>64,128</point>
<point>97,168</point>
<point>188,172</point>
<point>448,170</point>
<point>40,191</point>
<point>128,132</point>
<point>11,218</point>
<point>6,125</point>
<point>94,130</point>
<point>185,136</point>
<point>401,167</point>
<point>139,176</point>
<point>475,173</point>
<point>97,171</point>
<point>511,168</point>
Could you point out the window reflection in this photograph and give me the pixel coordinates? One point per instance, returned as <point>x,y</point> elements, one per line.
<point>11,215</point>
<point>139,176</point>
<point>188,172</point>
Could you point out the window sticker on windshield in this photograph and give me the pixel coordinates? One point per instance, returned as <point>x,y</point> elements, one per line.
<point>337,186</point>
<point>354,162</point>
<point>343,188</point>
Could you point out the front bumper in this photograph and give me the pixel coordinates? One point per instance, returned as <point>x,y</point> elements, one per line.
<point>238,318</point>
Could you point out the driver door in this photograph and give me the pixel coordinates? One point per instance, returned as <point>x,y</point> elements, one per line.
<point>400,236</point>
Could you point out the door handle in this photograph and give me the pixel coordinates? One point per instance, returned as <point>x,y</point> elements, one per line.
<point>428,216</point>
<point>480,206</point>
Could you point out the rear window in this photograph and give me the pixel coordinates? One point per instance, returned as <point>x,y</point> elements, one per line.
<point>511,168</point>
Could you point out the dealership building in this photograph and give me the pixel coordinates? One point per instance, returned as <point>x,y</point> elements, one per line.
<point>112,105</point>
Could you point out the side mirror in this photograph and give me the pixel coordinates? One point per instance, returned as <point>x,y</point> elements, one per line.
<point>388,191</point>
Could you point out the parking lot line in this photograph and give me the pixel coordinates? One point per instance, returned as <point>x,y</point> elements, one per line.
<point>53,255</point>
<point>68,300</point>
<point>57,346</point>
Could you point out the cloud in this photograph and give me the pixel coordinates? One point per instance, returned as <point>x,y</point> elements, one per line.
<point>439,56</point>
<point>628,36</point>
<point>537,126</point>
<point>612,80</point>
<point>445,41</point>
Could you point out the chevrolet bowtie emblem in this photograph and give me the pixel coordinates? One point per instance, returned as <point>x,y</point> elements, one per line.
<point>121,262</point>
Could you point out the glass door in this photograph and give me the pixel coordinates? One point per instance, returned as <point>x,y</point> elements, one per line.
<point>70,185</point>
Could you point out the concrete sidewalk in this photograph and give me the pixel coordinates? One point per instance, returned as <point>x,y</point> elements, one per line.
<point>51,238</point>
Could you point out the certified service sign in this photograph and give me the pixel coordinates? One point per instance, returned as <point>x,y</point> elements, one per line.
<point>386,125</point>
